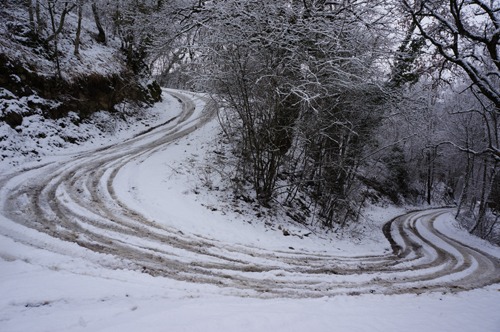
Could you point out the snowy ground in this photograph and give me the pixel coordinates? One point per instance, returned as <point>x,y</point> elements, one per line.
<point>133,236</point>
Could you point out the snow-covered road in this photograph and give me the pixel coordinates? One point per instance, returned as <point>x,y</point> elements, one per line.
<point>107,209</point>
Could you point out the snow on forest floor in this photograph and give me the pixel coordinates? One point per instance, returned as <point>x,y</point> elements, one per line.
<point>47,284</point>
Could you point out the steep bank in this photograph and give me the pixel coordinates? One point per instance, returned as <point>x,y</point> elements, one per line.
<point>45,79</point>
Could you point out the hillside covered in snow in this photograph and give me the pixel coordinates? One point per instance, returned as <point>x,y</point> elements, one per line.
<point>53,94</point>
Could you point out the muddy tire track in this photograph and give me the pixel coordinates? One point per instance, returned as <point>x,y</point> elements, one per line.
<point>75,201</point>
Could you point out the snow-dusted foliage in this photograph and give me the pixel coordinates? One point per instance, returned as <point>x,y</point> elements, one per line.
<point>465,36</point>
<point>302,87</point>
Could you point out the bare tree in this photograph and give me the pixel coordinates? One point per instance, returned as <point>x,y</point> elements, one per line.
<point>466,34</point>
<point>302,80</point>
<point>57,28</point>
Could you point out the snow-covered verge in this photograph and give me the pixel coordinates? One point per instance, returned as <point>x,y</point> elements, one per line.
<point>48,284</point>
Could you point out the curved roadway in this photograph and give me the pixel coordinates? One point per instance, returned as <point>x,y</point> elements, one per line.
<point>75,201</point>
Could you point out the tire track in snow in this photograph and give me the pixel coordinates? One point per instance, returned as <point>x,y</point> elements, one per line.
<point>75,201</point>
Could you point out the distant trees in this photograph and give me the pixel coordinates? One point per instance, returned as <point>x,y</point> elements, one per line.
<point>466,35</point>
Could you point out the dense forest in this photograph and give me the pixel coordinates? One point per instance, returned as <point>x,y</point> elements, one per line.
<point>329,105</point>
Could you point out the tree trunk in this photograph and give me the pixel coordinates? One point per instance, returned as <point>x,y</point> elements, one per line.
<point>57,31</point>
<point>78,28</point>
<point>483,202</point>
<point>465,189</point>
<point>54,37</point>
<point>429,177</point>
<point>31,16</point>
<point>101,37</point>
<point>468,174</point>
<point>40,24</point>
